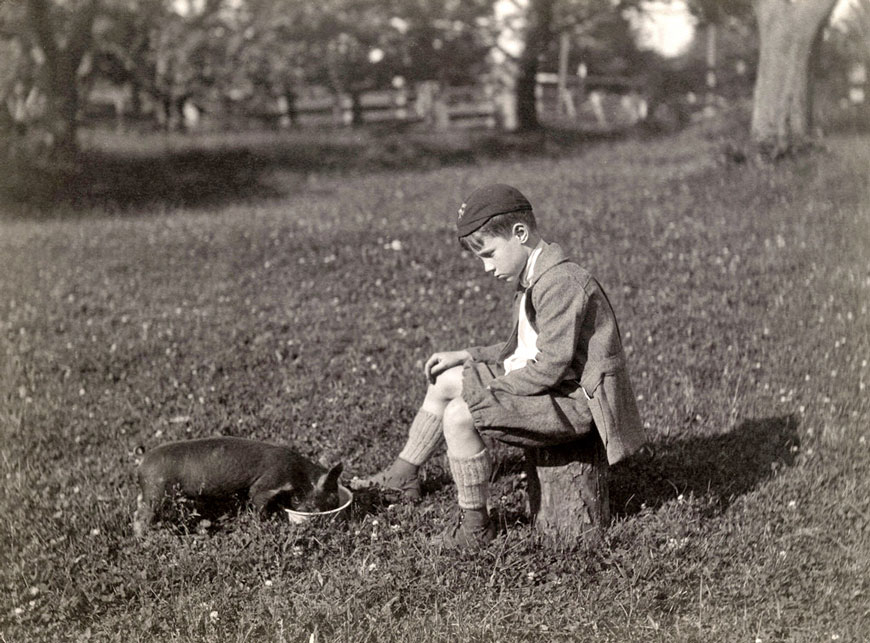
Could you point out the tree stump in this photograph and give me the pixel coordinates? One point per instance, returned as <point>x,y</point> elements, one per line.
<point>569,497</point>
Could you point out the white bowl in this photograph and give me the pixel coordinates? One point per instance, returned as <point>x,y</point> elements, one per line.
<point>345,497</point>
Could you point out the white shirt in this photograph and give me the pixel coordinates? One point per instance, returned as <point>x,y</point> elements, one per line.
<point>527,338</point>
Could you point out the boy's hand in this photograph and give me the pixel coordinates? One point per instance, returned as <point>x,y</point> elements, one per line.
<point>440,362</point>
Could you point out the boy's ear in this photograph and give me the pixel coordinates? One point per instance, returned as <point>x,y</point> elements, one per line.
<point>521,232</point>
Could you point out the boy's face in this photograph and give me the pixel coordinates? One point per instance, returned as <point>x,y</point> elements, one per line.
<point>504,257</point>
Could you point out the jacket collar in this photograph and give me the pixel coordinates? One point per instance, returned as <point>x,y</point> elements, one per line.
<point>551,255</point>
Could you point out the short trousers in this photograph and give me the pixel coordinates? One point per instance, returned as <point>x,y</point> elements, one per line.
<point>521,420</point>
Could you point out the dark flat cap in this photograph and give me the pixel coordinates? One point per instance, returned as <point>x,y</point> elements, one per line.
<point>486,202</point>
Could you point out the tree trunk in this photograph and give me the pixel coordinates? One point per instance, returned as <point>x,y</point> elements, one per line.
<point>292,110</point>
<point>788,30</point>
<point>538,36</point>
<point>63,109</point>
<point>356,109</point>
<point>569,497</point>
<point>61,67</point>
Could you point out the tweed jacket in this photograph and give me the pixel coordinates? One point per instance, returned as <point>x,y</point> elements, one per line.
<point>580,352</point>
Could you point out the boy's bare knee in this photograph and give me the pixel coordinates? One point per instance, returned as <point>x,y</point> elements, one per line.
<point>448,385</point>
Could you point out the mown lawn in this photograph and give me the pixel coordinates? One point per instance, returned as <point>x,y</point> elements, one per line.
<point>305,316</point>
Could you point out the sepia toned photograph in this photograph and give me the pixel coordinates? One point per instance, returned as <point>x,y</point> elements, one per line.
<point>424,321</point>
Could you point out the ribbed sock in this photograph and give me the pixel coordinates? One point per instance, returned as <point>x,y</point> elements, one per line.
<point>471,476</point>
<point>424,436</point>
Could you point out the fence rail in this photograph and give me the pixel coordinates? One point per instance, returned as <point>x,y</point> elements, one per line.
<point>472,106</point>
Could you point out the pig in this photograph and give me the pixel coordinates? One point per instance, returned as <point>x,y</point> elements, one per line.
<point>222,468</point>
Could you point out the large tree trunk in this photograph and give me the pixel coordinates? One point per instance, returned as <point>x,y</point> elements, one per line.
<point>788,30</point>
<point>537,38</point>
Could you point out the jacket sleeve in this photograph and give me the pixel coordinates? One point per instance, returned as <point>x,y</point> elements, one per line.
<point>486,353</point>
<point>560,306</point>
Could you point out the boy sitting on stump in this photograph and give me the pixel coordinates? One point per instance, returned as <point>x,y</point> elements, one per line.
<point>561,374</point>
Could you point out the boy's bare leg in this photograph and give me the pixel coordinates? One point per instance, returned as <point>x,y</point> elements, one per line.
<point>471,467</point>
<point>463,440</point>
<point>424,438</point>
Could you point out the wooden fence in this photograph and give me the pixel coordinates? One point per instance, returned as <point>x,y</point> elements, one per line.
<point>605,100</point>
<point>469,106</point>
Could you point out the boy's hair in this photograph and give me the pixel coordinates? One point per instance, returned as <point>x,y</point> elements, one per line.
<point>501,225</point>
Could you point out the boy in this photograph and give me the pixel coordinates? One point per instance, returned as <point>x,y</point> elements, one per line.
<point>561,373</point>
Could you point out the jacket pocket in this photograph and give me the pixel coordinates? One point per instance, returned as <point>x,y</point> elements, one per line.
<point>602,411</point>
<point>616,417</point>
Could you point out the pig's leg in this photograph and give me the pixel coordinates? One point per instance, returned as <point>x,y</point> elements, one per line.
<point>144,515</point>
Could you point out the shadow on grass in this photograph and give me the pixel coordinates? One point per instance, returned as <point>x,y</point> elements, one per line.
<point>109,181</point>
<point>118,173</point>
<point>725,466</point>
<point>722,467</point>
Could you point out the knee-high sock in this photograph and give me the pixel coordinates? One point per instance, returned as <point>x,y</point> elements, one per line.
<point>471,476</point>
<point>424,436</point>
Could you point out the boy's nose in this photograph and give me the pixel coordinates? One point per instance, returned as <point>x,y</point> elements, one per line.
<point>488,266</point>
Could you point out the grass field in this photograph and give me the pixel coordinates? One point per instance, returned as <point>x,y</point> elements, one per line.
<point>303,314</point>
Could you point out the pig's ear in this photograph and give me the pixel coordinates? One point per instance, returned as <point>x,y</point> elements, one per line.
<point>330,478</point>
